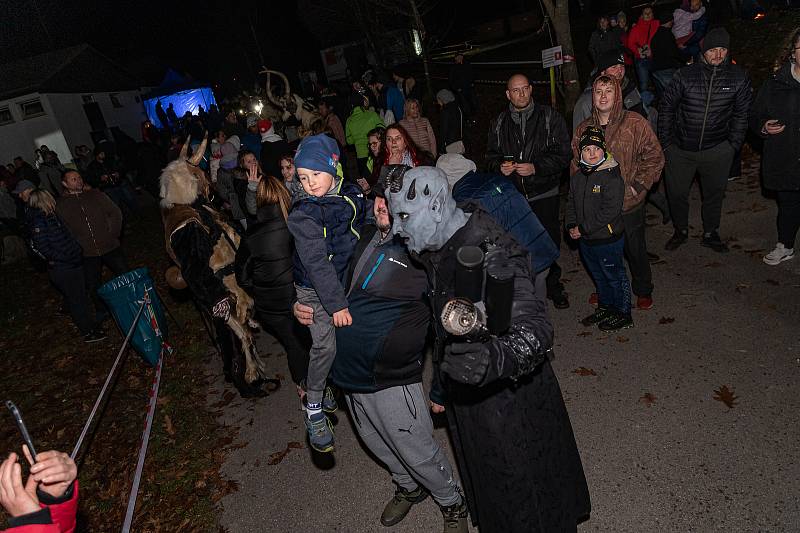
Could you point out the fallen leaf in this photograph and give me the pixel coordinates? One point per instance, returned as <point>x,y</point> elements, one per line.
<point>277,457</point>
<point>648,399</point>
<point>726,396</point>
<point>295,446</point>
<point>258,463</point>
<point>713,264</point>
<point>666,320</point>
<point>622,339</point>
<point>584,334</point>
<point>583,371</point>
<point>168,427</point>
<point>741,286</point>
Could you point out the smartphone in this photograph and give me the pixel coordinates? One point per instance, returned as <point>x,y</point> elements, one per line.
<point>510,158</point>
<point>21,426</point>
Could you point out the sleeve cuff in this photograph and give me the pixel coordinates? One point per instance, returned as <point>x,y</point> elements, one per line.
<point>638,187</point>
<point>40,517</point>
<point>49,499</point>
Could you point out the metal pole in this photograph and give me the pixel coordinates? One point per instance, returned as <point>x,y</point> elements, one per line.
<point>553,87</point>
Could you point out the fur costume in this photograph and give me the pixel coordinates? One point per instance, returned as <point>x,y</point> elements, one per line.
<point>204,246</point>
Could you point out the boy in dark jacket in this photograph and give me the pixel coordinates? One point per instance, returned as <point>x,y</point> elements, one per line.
<point>594,215</point>
<point>325,223</point>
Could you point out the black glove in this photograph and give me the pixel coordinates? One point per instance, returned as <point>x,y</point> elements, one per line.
<point>466,362</point>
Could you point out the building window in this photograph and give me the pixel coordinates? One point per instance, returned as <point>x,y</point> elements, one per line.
<point>87,98</point>
<point>114,97</point>
<point>32,108</point>
<point>5,115</point>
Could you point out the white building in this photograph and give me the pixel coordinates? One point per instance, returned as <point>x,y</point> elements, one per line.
<point>65,98</point>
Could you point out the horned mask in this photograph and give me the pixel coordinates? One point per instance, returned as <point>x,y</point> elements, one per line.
<point>182,181</point>
<point>422,207</point>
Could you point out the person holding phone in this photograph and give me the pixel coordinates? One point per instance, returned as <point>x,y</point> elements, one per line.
<point>48,501</point>
<point>772,118</point>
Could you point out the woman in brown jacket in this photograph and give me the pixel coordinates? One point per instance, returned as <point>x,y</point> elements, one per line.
<point>635,147</point>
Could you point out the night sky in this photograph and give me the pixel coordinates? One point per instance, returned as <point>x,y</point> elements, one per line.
<point>211,40</point>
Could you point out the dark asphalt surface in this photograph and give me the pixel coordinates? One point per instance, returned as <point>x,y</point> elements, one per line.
<point>659,452</point>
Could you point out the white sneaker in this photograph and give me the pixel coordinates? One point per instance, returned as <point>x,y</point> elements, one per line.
<point>779,254</point>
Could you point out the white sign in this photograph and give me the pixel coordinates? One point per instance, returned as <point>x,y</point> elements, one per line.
<point>552,57</point>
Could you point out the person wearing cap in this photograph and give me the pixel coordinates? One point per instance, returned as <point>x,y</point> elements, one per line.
<point>611,63</point>
<point>451,123</point>
<point>635,146</point>
<point>325,221</point>
<point>379,365</point>
<point>251,140</point>
<point>594,219</point>
<point>23,190</point>
<point>272,148</point>
<point>702,122</point>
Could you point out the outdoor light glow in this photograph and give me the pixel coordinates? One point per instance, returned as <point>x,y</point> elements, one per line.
<point>258,107</point>
<point>417,42</point>
<point>241,111</point>
<point>759,16</point>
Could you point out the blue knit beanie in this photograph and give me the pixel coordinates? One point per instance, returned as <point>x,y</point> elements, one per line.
<point>318,152</point>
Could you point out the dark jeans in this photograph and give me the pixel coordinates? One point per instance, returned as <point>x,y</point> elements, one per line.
<point>294,338</point>
<point>547,210</point>
<point>72,285</point>
<point>713,165</point>
<point>604,262</point>
<point>788,217</point>
<point>636,252</point>
<point>643,73</point>
<point>93,271</point>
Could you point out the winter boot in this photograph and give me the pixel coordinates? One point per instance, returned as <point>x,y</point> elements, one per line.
<point>601,313</point>
<point>455,518</point>
<point>401,503</point>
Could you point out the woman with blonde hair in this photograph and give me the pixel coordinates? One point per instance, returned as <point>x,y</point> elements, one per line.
<point>264,269</point>
<point>419,127</point>
<point>52,241</point>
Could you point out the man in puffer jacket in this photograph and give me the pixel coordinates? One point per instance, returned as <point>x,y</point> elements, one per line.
<point>702,122</point>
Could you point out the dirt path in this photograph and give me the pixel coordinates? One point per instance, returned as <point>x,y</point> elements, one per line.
<point>660,453</point>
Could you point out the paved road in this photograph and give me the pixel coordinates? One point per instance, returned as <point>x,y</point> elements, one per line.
<point>681,461</point>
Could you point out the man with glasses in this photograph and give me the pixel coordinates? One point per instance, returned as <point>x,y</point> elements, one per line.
<point>530,144</point>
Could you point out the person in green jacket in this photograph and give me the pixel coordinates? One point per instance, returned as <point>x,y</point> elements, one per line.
<point>361,120</point>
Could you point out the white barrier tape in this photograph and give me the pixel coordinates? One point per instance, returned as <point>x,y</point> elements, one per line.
<point>100,396</point>
<point>151,411</point>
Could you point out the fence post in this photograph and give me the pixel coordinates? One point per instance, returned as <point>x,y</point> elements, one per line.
<point>553,87</point>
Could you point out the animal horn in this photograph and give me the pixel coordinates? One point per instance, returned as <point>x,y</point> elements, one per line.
<point>184,149</point>
<point>412,190</point>
<point>269,86</point>
<point>197,156</point>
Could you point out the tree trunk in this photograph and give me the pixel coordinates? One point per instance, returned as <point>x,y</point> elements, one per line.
<point>558,11</point>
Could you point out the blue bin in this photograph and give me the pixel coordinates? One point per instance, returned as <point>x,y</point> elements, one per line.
<point>123,295</point>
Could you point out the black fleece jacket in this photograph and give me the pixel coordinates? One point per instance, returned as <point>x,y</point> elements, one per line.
<point>595,203</point>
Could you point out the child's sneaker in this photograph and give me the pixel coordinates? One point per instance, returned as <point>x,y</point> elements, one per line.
<point>616,321</point>
<point>320,432</point>
<point>779,254</point>
<point>329,404</point>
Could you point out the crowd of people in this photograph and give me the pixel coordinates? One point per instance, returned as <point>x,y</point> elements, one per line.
<point>348,243</point>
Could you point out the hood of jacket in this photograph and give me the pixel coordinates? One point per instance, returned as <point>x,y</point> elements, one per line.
<point>615,118</point>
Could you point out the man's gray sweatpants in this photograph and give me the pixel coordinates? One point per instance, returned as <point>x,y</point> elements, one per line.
<point>323,347</point>
<point>396,426</point>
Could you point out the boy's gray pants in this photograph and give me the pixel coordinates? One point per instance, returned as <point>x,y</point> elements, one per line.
<point>396,426</point>
<point>323,347</point>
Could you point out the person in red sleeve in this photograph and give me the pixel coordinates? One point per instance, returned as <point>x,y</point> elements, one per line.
<point>48,501</point>
<point>639,45</point>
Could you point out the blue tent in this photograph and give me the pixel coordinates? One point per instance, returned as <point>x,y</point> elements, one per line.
<point>183,93</point>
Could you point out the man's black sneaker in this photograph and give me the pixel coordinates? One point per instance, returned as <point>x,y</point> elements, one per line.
<point>713,241</point>
<point>95,335</point>
<point>600,314</point>
<point>560,300</point>
<point>615,322</point>
<point>401,503</point>
<point>679,237</point>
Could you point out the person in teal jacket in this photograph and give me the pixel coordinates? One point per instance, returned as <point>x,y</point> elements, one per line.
<point>361,120</point>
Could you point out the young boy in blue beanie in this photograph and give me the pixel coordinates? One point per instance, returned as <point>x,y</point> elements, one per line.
<point>325,221</point>
<point>594,216</point>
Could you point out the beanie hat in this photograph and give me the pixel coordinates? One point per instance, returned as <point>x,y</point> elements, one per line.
<point>251,120</point>
<point>455,166</point>
<point>318,152</point>
<point>716,38</point>
<point>445,96</point>
<point>592,136</point>
<point>264,125</point>
<point>609,58</point>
